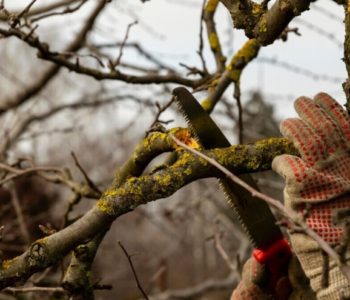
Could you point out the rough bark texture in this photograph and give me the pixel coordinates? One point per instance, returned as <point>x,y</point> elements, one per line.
<point>265,25</point>
<point>118,200</point>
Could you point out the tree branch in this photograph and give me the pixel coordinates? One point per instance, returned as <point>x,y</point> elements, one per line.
<point>43,9</point>
<point>136,191</point>
<point>233,72</point>
<point>52,71</point>
<point>265,25</point>
<point>62,60</point>
<point>213,37</point>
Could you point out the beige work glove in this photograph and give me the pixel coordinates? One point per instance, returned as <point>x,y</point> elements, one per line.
<point>255,279</point>
<point>318,186</point>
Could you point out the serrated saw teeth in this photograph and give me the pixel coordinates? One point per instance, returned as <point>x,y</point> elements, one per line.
<point>254,214</point>
<point>187,120</point>
<point>237,213</point>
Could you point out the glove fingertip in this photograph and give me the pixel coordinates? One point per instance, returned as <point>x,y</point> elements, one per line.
<point>280,164</point>
<point>300,102</point>
<point>335,111</point>
<point>286,127</point>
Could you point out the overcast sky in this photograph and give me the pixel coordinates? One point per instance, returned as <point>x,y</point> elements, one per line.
<point>176,27</point>
<point>169,28</point>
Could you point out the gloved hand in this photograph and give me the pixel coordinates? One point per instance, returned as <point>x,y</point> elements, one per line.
<point>255,279</point>
<point>318,186</point>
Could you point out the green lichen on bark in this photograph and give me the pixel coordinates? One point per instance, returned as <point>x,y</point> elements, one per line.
<point>245,14</point>
<point>189,167</point>
<point>206,104</point>
<point>247,53</point>
<point>254,157</point>
<point>214,41</point>
<point>148,148</point>
<point>262,26</point>
<point>140,190</point>
<point>213,37</point>
<point>265,25</point>
<point>211,6</point>
<point>6,264</point>
<point>136,191</point>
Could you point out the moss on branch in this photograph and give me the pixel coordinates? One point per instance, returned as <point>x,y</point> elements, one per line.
<point>189,167</point>
<point>211,6</point>
<point>246,54</point>
<point>265,25</point>
<point>233,73</point>
<point>148,148</point>
<point>136,191</point>
<point>213,37</point>
<point>77,278</point>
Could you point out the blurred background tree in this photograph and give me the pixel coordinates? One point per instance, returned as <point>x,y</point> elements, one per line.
<point>82,82</point>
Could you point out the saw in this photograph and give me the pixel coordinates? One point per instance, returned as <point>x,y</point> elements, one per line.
<point>254,214</point>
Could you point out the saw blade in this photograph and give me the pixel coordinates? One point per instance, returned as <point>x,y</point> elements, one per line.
<point>254,214</point>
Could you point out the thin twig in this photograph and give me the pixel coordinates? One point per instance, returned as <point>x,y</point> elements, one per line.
<point>300,70</point>
<point>16,173</point>
<point>19,213</point>
<point>75,199</point>
<point>223,253</point>
<point>161,109</point>
<point>78,55</point>
<point>117,61</point>
<point>86,176</point>
<point>51,174</point>
<point>320,31</point>
<point>26,10</point>
<point>133,271</point>
<point>138,48</point>
<point>35,289</point>
<point>67,10</point>
<point>42,276</point>
<point>57,131</point>
<point>237,95</point>
<point>46,54</point>
<point>201,44</point>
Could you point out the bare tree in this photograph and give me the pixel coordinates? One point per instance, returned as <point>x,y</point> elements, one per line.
<point>71,115</point>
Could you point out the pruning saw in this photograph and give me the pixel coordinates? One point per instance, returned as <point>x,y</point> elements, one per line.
<point>254,214</point>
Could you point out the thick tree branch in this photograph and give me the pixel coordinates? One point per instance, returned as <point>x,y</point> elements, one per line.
<point>136,191</point>
<point>233,72</point>
<point>265,25</point>
<point>213,37</point>
<point>77,276</point>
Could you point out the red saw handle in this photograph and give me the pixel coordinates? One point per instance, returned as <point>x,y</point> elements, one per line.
<point>276,257</point>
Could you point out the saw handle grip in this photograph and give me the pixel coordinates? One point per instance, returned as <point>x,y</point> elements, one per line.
<point>276,257</point>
